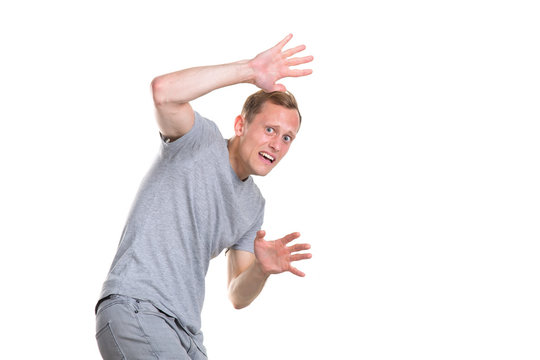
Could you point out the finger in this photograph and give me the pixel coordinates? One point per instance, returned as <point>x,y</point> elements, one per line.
<point>260,235</point>
<point>288,238</point>
<point>299,247</point>
<point>299,72</point>
<point>279,87</point>
<point>299,257</point>
<point>296,272</point>
<point>298,61</point>
<point>280,45</point>
<point>292,51</point>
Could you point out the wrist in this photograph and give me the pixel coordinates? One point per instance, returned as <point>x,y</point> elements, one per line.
<point>245,71</point>
<point>259,270</point>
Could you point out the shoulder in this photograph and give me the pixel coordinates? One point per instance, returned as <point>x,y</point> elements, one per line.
<point>203,134</point>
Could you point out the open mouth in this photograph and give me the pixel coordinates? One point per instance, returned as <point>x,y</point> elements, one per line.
<point>267,157</point>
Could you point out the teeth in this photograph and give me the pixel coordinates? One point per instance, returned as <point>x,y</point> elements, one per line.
<point>267,156</point>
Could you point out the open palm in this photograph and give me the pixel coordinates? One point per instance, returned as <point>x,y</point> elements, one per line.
<point>274,64</point>
<point>276,257</point>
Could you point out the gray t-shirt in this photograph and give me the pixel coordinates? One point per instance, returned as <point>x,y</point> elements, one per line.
<point>190,206</point>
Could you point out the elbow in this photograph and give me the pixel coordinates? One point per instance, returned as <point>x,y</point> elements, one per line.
<point>157,87</point>
<point>237,303</point>
<point>238,306</point>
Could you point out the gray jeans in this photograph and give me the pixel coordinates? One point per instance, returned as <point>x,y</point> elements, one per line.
<point>130,329</point>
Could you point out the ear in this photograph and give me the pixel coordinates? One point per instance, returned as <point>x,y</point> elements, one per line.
<point>239,125</point>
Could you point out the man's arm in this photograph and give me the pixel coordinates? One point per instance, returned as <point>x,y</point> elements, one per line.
<point>247,272</point>
<point>246,278</point>
<point>173,92</point>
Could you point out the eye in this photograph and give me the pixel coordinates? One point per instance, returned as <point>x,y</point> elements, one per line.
<point>269,130</point>
<point>287,138</point>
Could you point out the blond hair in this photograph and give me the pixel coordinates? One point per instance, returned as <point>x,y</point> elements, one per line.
<point>255,102</point>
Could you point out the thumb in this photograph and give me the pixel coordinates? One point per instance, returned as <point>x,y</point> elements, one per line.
<point>279,87</point>
<point>260,235</point>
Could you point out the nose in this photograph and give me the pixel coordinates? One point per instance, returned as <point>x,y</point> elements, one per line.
<point>275,145</point>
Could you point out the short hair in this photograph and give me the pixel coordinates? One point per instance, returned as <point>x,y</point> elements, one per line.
<point>255,102</point>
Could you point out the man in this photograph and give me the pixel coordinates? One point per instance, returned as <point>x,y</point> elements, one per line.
<point>198,199</point>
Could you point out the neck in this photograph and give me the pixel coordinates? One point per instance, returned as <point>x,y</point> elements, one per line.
<point>234,158</point>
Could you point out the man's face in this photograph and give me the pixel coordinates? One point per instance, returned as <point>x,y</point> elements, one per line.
<point>266,140</point>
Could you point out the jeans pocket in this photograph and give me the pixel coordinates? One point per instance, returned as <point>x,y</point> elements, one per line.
<point>108,346</point>
<point>110,301</point>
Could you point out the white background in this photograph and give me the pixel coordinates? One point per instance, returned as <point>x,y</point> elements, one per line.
<point>414,177</point>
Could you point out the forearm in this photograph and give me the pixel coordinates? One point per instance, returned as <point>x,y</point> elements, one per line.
<point>186,85</point>
<point>247,285</point>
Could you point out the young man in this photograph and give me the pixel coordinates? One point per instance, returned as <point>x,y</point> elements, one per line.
<point>198,199</point>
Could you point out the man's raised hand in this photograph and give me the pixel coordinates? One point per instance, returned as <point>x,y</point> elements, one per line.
<point>274,64</point>
<point>275,257</point>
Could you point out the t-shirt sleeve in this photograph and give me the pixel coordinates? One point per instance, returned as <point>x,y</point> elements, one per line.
<point>203,133</point>
<point>247,240</point>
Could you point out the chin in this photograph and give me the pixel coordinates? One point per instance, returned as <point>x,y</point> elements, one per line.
<point>259,169</point>
<point>263,172</point>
